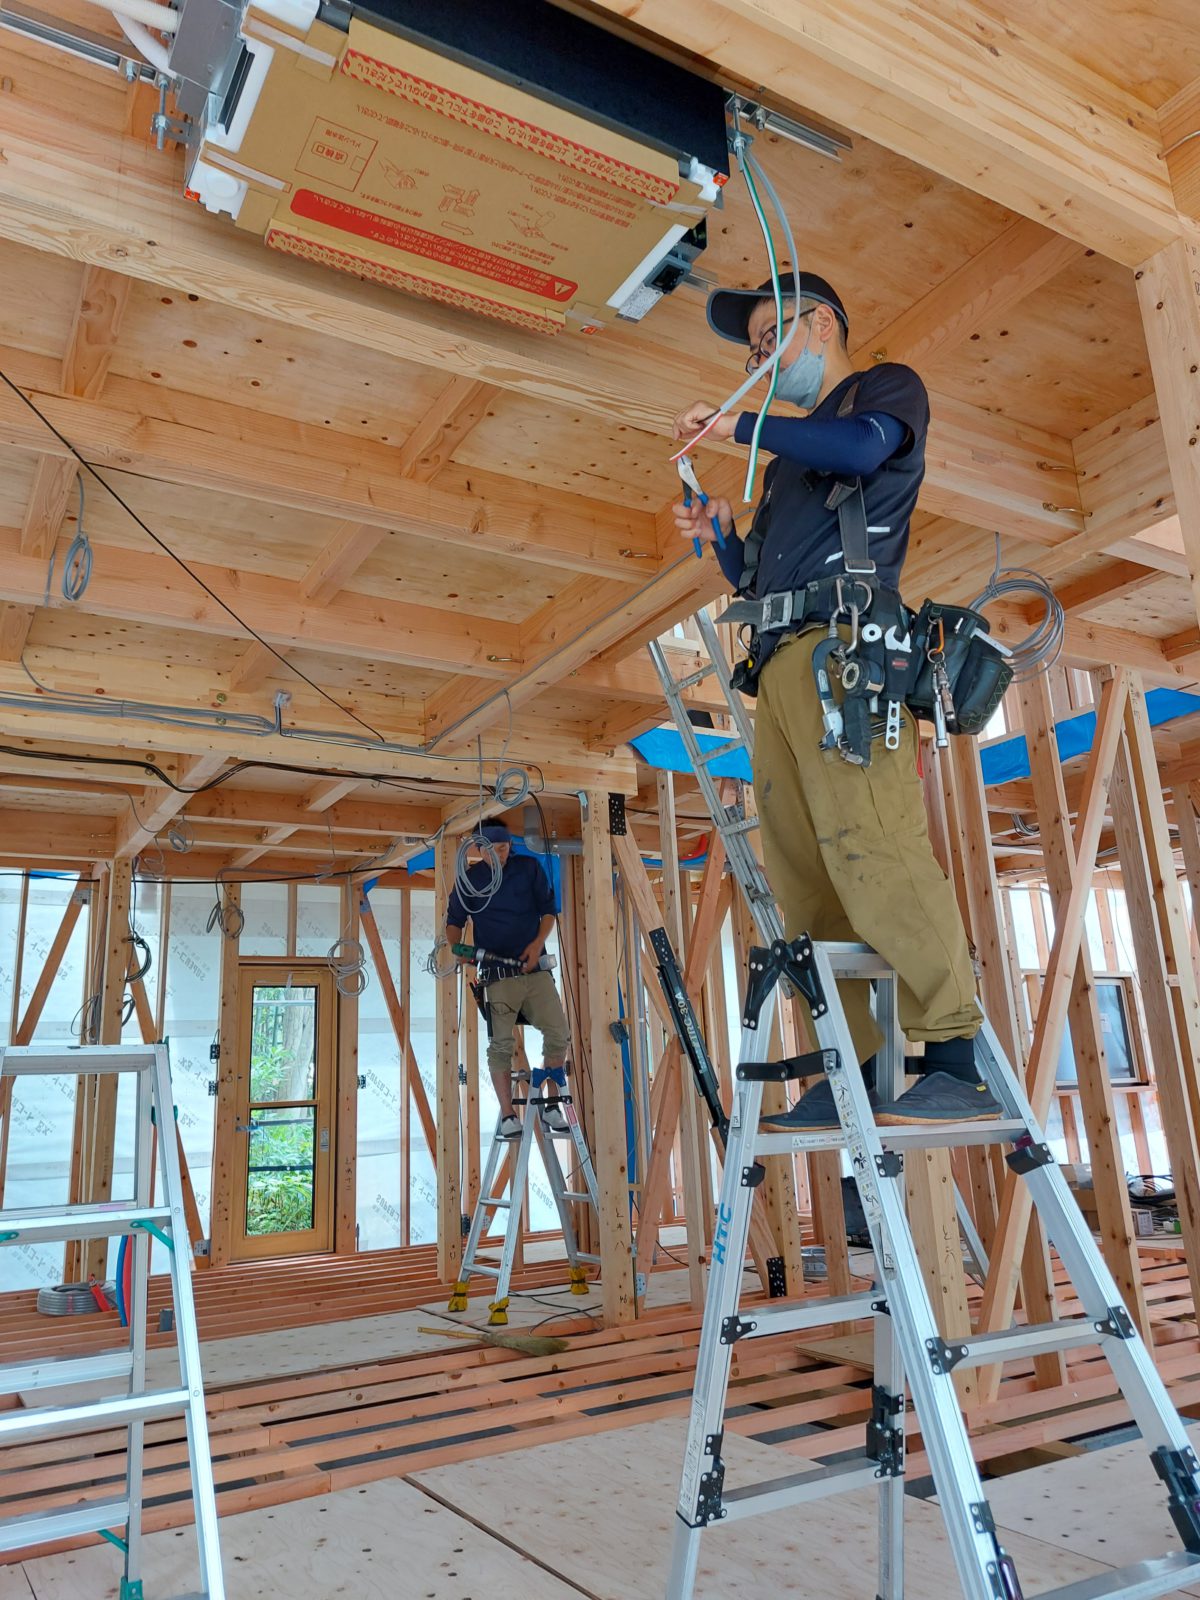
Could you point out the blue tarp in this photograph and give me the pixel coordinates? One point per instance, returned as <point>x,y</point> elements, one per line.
<point>551,866</point>
<point>1009,758</point>
<point>1002,762</point>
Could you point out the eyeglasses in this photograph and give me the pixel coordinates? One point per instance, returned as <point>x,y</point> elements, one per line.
<point>765,348</point>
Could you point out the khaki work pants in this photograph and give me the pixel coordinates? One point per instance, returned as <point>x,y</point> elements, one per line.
<point>533,993</point>
<point>848,856</point>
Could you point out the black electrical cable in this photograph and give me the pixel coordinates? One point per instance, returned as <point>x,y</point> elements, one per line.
<point>180,562</point>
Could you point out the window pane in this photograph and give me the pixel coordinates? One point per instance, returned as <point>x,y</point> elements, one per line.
<point>283,1034</point>
<point>279,1188</point>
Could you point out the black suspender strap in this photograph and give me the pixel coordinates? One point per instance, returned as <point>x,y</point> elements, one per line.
<point>847,500</point>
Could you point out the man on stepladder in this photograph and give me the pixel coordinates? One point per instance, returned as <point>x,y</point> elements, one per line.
<point>844,830</point>
<point>514,923</point>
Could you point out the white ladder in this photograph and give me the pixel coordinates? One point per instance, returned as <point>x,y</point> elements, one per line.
<point>511,1199</point>
<point>141,1219</point>
<point>908,1345</point>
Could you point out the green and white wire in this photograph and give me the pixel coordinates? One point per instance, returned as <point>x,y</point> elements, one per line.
<point>745,160</point>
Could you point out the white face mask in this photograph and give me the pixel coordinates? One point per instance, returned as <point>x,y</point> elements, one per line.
<point>800,381</point>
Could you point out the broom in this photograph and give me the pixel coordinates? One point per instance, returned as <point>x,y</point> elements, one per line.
<point>526,1344</point>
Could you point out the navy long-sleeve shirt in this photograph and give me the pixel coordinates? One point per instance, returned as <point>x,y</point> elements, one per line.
<point>508,923</point>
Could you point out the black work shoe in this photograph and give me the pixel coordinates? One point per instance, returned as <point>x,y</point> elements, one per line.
<point>938,1097</point>
<point>815,1112</point>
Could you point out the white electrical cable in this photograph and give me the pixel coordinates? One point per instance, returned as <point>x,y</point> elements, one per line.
<point>143,40</point>
<point>147,12</point>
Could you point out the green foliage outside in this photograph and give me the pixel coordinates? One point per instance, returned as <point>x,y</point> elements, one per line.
<point>280,1202</point>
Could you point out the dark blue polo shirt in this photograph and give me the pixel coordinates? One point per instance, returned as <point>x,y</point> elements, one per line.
<point>509,921</point>
<point>802,541</point>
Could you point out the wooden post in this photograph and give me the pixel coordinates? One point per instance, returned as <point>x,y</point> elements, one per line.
<point>933,1218</point>
<point>610,1152</point>
<point>470,1100</point>
<point>694,1150</point>
<point>345,1165</point>
<point>92,976</point>
<point>1016,1207</point>
<point>1095,1087</point>
<point>1189,846</point>
<point>100,1133</point>
<point>1169,291</point>
<point>449,1193</point>
<point>231,1070</point>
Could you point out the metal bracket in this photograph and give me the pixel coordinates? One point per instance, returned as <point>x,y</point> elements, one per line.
<point>1117,1325</point>
<point>464,1225</point>
<point>885,1441</point>
<point>202,1247</point>
<point>981,1513</point>
<point>462,1076</point>
<point>881,1308</point>
<point>814,1064</point>
<point>616,814</point>
<point>1177,1469</point>
<point>212,1088</point>
<point>733,1329</point>
<point>214,1051</point>
<point>889,1164</point>
<point>776,1277</point>
<point>712,1484</point>
<point>362,1077</point>
<point>1028,1157</point>
<point>792,962</point>
<point>753,1175</point>
<point>945,1357</point>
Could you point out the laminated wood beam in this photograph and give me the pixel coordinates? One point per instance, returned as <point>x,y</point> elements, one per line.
<point>162,805</point>
<point>1178,119</point>
<point>15,623</point>
<point>956,89</point>
<point>610,1152</point>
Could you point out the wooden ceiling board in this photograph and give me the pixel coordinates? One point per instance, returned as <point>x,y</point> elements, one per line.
<point>561,449</point>
<point>74,628</point>
<point>1151,48</point>
<point>182,342</point>
<point>433,573</point>
<point>1154,613</point>
<point>16,480</point>
<point>40,295</point>
<point>1066,358</point>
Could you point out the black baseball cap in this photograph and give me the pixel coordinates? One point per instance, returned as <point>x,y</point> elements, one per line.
<point>729,309</point>
<point>496,833</point>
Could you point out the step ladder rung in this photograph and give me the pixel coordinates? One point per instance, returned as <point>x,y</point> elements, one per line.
<point>40,1527</point>
<point>482,1266</point>
<point>50,1372</point>
<point>494,1202</point>
<point>814,1312</point>
<point>583,1199</point>
<point>582,1255</point>
<point>945,1135</point>
<point>1144,1580</point>
<point>115,1412</point>
<point>744,825</point>
<point>796,1488</point>
<point>78,1222</point>
<point>1024,1343</point>
<point>693,678</point>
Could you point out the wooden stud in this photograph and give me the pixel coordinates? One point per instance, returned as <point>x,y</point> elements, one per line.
<point>610,1154</point>
<point>345,1162</point>
<point>231,1073</point>
<point>402,1039</point>
<point>449,1190</point>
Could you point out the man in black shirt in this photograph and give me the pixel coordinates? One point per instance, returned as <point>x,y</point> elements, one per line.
<point>846,846</point>
<point>514,922</point>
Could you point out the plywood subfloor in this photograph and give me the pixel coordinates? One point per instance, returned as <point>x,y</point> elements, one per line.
<point>584,1517</point>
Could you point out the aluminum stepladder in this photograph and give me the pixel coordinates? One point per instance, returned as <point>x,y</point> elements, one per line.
<point>908,1345</point>
<point>141,1219</point>
<point>907,1340</point>
<point>511,1199</point>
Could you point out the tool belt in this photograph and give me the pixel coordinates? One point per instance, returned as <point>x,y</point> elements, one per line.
<point>940,662</point>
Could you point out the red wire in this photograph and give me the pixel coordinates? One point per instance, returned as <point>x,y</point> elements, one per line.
<point>684,448</point>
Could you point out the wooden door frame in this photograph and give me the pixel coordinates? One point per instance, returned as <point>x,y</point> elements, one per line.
<point>309,972</point>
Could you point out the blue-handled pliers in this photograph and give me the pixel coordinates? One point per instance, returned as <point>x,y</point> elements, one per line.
<point>691,486</point>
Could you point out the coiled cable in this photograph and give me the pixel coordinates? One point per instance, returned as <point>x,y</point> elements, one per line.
<point>77,568</point>
<point>348,962</point>
<point>1040,648</point>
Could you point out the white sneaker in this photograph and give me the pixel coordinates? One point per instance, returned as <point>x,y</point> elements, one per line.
<point>510,1128</point>
<point>554,1119</point>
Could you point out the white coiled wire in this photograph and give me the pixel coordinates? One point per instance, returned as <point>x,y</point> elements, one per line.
<point>1040,648</point>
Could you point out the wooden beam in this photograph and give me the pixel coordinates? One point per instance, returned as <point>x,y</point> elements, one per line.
<point>1178,120</point>
<point>449,1197</point>
<point>253,667</point>
<point>610,1154</point>
<point>1015,1209</point>
<point>53,488</point>
<point>981,100</point>
<point>103,298</point>
<point>160,806</point>
<point>1019,261</point>
<point>15,623</point>
<point>1117,1237</point>
<point>276,461</point>
<point>1115,581</point>
<point>1169,293</point>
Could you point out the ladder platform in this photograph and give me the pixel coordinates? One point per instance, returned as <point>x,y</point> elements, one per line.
<point>79,1222</point>
<point>53,1371</point>
<point>1142,1581</point>
<point>798,1488</point>
<point>914,1137</point>
<point>116,1412</point>
<point>73,1059</point>
<point>40,1527</point>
